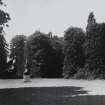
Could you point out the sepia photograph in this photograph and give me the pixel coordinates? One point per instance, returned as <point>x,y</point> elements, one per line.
<point>52,52</point>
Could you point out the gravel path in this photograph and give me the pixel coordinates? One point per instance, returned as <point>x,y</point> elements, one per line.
<point>94,87</point>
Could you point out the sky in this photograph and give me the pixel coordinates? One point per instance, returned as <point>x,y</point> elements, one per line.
<point>55,16</point>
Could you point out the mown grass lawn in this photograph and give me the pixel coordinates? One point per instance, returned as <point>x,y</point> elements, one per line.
<point>48,96</point>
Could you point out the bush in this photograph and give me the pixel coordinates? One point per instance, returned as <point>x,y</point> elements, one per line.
<point>69,71</point>
<point>85,73</point>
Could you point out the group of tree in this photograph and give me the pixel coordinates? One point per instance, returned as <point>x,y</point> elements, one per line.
<point>79,54</point>
<point>85,51</point>
<point>40,54</point>
<point>4,18</point>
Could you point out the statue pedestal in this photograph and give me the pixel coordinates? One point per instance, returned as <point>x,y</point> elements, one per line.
<point>26,78</point>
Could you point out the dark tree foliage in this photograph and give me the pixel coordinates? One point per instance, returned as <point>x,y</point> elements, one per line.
<point>17,55</point>
<point>73,50</point>
<point>4,18</point>
<point>95,49</point>
<point>3,54</point>
<point>57,43</point>
<point>42,55</point>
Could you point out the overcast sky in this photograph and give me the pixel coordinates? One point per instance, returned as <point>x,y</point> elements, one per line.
<point>50,15</point>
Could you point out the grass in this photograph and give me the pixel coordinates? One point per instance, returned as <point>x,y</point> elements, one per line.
<point>48,96</point>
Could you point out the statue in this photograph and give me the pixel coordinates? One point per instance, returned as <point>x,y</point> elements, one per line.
<point>26,74</point>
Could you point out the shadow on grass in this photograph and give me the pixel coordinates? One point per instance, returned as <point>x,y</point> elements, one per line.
<point>48,96</point>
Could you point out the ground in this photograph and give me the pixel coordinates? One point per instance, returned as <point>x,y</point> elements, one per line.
<point>52,92</point>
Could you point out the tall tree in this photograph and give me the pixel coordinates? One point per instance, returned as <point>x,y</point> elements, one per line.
<point>17,54</point>
<point>73,50</point>
<point>95,47</point>
<point>3,54</point>
<point>91,38</point>
<point>4,18</point>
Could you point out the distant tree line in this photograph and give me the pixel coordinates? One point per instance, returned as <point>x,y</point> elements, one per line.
<point>79,54</point>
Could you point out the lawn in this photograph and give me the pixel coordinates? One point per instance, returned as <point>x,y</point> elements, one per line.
<point>49,96</point>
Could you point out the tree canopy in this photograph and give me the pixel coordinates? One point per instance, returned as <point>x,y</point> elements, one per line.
<point>41,52</point>
<point>17,54</point>
<point>4,18</point>
<point>73,50</point>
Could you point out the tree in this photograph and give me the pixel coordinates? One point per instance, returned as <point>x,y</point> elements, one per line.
<point>4,18</point>
<point>17,54</point>
<point>42,55</point>
<point>3,54</point>
<point>95,41</point>
<point>73,50</point>
<point>58,43</point>
<point>95,48</point>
